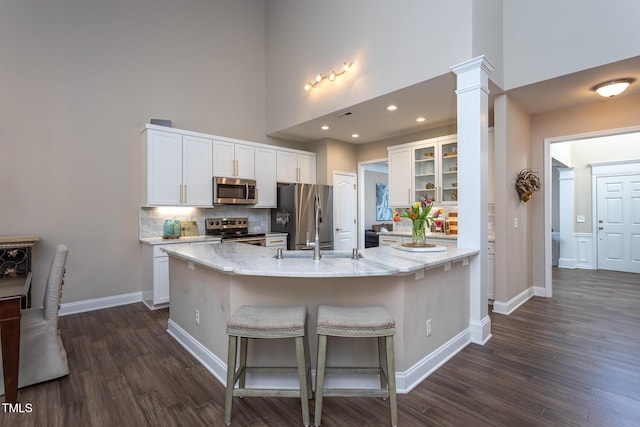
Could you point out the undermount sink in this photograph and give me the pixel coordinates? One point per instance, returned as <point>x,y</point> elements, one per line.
<point>323,254</point>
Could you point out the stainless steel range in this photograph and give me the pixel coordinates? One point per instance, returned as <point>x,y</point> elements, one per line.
<point>233,230</point>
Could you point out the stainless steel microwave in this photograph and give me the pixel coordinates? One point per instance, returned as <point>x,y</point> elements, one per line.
<point>234,191</point>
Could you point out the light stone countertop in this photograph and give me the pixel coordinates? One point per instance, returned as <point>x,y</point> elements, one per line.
<point>249,260</point>
<point>152,241</point>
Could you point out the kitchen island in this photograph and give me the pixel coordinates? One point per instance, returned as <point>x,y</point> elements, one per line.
<point>210,282</point>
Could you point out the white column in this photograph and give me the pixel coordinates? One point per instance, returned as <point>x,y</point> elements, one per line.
<point>565,213</point>
<point>473,154</point>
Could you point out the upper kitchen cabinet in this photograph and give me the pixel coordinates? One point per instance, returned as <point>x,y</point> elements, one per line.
<point>400,176</point>
<point>296,167</point>
<point>233,160</point>
<point>266,177</point>
<point>424,170</point>
<point>178,169</point>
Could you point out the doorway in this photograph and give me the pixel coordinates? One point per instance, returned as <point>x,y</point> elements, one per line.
<point>344,211</point>
<point>617,212</point>
<point>584,225</point>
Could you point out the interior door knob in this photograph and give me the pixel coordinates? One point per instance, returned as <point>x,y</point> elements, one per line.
<point>601,228</point>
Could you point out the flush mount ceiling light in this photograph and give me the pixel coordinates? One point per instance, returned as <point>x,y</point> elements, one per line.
<point>612,87</point>
<point>324,127</point>
<point>331,76</point>
<point>420,119</point>
<point>392,107</point>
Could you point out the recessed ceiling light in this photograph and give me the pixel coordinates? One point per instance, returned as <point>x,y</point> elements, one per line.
<point>355,135</point>
<point>324,127</point>
<point>420,119</point>
<point>392,107</point>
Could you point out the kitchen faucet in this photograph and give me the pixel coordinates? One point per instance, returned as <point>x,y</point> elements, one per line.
<point>316,243</point>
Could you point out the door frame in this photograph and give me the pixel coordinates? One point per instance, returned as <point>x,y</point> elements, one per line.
<point>548,280</point>
<point>603,170</point>
<point>362,167</point>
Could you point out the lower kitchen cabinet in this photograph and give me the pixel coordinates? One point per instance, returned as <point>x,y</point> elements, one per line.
<point>278,241</point>
<point>392,240</point>
<point>155,277</point>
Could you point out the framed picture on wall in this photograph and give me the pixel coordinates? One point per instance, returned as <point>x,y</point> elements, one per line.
<point>383,211</point>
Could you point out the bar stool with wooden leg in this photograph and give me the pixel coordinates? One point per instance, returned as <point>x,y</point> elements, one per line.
<point>263,322</point>
<point>357,322</point>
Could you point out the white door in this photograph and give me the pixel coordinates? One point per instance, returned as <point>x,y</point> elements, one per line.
<point>618,223</point>
<point>344,211</point>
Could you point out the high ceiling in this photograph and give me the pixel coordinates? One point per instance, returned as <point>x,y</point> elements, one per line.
<point>435,101</point>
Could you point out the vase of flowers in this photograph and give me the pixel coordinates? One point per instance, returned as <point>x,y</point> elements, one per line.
<point>420,216</point>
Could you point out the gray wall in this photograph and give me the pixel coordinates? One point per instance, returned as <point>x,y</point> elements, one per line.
<point>79,81</point>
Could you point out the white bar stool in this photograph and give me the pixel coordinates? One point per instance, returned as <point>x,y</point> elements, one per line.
<point>261,322</point>
<point>357,322</point>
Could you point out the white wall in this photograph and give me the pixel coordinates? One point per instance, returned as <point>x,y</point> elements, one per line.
<point>79,81</point>
<point>549,38</point>
<point>393,45</point>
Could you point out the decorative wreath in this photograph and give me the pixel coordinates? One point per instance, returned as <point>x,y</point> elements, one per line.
<point>527,183</point>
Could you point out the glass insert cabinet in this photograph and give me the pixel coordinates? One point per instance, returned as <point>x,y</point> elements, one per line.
<point>424,170</point>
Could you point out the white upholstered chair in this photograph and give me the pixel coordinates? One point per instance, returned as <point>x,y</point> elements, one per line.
<point>42,355</point>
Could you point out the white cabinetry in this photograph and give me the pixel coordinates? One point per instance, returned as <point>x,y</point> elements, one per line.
<point>266,177</point>
<point>400,177</point>
<point>155,277</point>
<point>279,241</point>
<point>178,170</point>
<point>296,167</point>
<point>233,160</point>
<point>424,170</point>
<point>179,165</point>
<point>392,240</point>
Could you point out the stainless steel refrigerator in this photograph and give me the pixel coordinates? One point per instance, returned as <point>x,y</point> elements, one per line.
<point>295,215</point>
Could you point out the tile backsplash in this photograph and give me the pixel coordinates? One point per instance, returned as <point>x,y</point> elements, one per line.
<point>152,219</point>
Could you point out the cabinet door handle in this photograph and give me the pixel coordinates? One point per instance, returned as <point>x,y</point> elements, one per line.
<point>409,195</point>
<point>276,241</point>
<point>185,193</point>
<point>237,167</point>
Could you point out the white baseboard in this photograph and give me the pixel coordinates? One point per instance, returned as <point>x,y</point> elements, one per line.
<point>99,303</point>
<point>515,302</point>
<point>539,291</point>
<point>408,380</point>
<point>405,381</point>
<point>213,363</point>
<point>480,330</point>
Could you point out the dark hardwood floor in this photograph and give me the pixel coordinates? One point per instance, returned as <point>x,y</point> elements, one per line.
<point>573,360</point>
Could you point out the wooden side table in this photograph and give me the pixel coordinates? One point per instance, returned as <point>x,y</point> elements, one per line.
<point>15,260</point>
